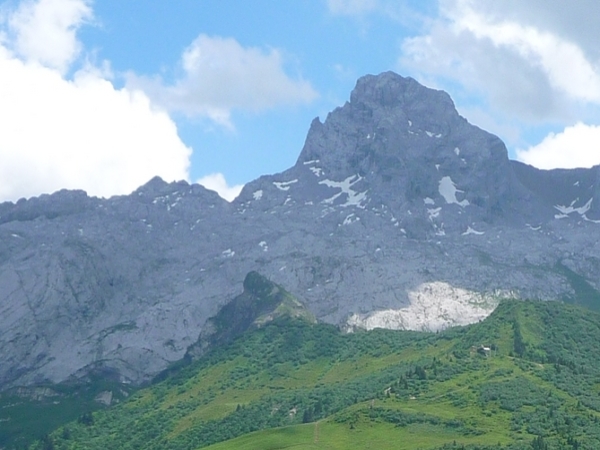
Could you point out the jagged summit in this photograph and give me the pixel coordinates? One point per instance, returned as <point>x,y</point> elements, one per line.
<point>403,145</point>
<point>157,187</point>
<point>386,109</point>
<point>390,90</point>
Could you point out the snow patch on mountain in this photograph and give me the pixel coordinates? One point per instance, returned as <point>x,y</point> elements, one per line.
<point>350,219</point>
<point>434,213</point>
<point>433,306</point>
<point>472,231</point>
<point>354,198</point>
<point>317,171</point>
<point>228,253</point>
<point>447,189</point>
<point>284,185</point>
<point>566,210</point>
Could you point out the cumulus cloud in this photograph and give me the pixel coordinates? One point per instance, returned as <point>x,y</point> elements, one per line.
<point>563,62</point>
<point>78,133</point>
<point>504,80</point>
<point>523,66</point>
<point>576,23</point>
<point>217,182</point>
<point>45,31</point>
<point>220,75</point>
<point>576,146</point>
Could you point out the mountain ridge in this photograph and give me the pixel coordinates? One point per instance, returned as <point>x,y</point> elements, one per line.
<point>398,213</point>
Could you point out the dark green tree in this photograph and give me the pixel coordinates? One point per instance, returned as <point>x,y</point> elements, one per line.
<point>539,444</point>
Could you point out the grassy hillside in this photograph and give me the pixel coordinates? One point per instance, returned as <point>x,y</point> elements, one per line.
<point>307,386</point>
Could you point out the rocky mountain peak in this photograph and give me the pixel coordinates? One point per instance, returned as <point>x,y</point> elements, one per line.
<point>159,192</point>
<point>385,116</point>
<point>390,90</point>
<point>402,146</point>
<point>414,121</point>
<point>154,186</point>
<point>407,145</point>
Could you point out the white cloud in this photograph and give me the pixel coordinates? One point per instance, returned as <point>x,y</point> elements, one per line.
<point>219,75</point>
<point>522,64</point>
<point>576,23</point>
<point>216,182</point>
<point>44,31</point>
<point>351,7</point>
<point>79,133</point>
<point>576,146</point>
<point>563,62</point>
<point>497,76</point>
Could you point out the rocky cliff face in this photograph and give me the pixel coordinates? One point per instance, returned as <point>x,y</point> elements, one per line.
<point>398,213</point>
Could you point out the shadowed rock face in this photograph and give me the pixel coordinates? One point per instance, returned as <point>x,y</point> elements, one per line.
<point>261,302</point>
<point>398,213</point>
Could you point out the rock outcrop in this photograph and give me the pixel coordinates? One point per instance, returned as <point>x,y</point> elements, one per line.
<point>261,302</point>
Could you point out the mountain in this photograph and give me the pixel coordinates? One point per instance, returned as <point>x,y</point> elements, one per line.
<point>397,214</point>
<point>524,378</point>
<point>261,302</point>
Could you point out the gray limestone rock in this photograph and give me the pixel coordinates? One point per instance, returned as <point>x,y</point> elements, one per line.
<point>398,213</point>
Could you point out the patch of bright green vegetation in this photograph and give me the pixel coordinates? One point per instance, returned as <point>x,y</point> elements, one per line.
<point>366,434</point>
<point>528,377</point>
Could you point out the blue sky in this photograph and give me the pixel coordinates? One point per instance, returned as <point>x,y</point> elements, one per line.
<point>103,95</point>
